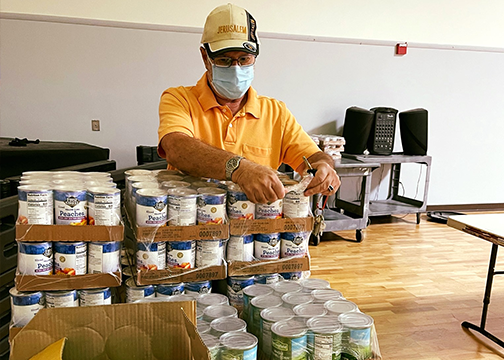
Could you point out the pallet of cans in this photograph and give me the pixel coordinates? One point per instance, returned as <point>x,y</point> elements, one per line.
<point>69,231</point>
<point>301,320</point>
<point>330,144</point>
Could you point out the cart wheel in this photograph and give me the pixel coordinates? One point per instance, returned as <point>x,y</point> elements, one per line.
<point>418,218</point>
<point>358,235</point>
<point>314,239</point>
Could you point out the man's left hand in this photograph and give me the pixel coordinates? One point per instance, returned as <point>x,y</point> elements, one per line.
<point>326,181</point>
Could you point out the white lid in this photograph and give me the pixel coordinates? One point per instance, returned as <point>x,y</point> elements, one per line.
<point>228,324</point>
<point>290,328</point>
<point>309,310</point>
<point>257,290</point>
<point>35,187</point>
<point>212,299</point>
<point>203,327</point>
<point>211,191</point>
<point>238,340</point>
<point>182,191</point>
<point>151,192</point>
<point>324,295</point>
<point>283,287</point>
<point>217,311</point>
<point>210,341</point>
<point>145,185</point>
<point>355,320</point>
<point>296,298</point>
<point>275,314</point>
<point>174,184</point>
<point>265,301</point>
<point>181,297</point>
<point>340,306</point>
<point>327,324</point>
<point>104,190</point>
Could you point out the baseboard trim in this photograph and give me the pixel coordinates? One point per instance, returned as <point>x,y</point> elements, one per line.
<point>467,207</point>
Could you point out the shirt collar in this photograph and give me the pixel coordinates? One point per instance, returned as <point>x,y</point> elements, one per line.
<point>207,99</point>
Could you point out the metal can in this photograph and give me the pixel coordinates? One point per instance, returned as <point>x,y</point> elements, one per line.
<point>198,287</point>
<point>104,257</point>
<point>296,298</point>
<point>269,316</point>
<point>211,206</point>
<point>338,307</point>
<point>181,254</point>
<point>296,205</point>
<point>287,286</point>
<point>166,185</point>
<point>70,258</point>
<point>221,326</point>
<point>209,253</point>
<point>91,297</point>
<point>164,290</point>
<point>213,345</point>
<point>151,207</point>
<point>182,209</point>
<point>183,297</point>
<point>249,293</point>
<point>267,279</point>
<point>151,256</point>
<point>311,284</point>
<point>25,305</point>
<point>322,295</point>
<point>65,298</point>
<point>238,345</point>
<point>35,204</point>
<point>356,337</point>
<point>294,244</point>
<point>35,258</point>
<point>267,246</point>
<point>213,312</point>
<point>238,205</point>
<point>324,337</point>
<point>289,340</point>
<point>269,211</point>
<point>205,300</point>
<point>168,177</point>
<point>235,286</point>
<point>240,248</point>
<point>203,327</point>
<point>104,206</point>
<point>257,304</point>
<point>151,184</point>
<point>296,275</point>
<point>203,184</point>
<point>70,205</point>
<point>138,292</point>
<point>308,310</point>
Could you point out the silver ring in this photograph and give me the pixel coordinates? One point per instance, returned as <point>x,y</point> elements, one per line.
<point>330,188</point>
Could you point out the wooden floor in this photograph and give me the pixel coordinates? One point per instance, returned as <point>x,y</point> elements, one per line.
<point>418,282</point>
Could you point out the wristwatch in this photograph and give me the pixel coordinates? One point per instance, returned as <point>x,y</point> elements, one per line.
<point>231,165</point>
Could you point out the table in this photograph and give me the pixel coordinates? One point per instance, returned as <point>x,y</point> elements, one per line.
<point>489,227</point>
<point>395,203</point>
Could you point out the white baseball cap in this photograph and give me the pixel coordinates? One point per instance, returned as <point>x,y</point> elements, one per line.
<point>230,28</point>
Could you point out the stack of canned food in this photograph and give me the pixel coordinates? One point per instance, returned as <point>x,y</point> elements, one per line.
<point>330,144</point>
<point>68,198</point>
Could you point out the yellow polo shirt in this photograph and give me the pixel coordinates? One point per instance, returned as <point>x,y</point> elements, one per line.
<point>263,131</point>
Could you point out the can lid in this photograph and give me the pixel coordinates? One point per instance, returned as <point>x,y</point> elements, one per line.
<point>238,340</point>
<point>94,291</point>
<point>265,301</point>
<point>168,177</point>
<point>167,172</point>
<point>327,324</point>
<point>287,286</point>
<point>141,178</point>
<point>314,284</point>
<point>182,191</point>
<point>234,187</point>
<point>203,327</point>
<point>174,184</point>
<point>228,324</point>
<point>145,185</point>
<point>340,306</point>
<point>60,292</point>
<point>290,328</point>
<point>134,172</point>
<point>211,191</point>
<point>104,190</point>
<point>295,298</point>
<point>210,341</point>
<point>203,184</point>
<point>356,320</point>
<point>309,310</point>
<point>151,192</point>
<point>15,292</point>
<point>217,311</point>
<point>326,294</point>
<point>257,290</point>
<point>275,314</point>
<point>181,297</point>
<point>35,187</point>
<point>212,299</point>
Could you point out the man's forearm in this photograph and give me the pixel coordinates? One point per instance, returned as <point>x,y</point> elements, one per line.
<point>194,157</point>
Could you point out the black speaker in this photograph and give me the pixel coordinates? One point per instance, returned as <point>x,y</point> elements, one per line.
<point>381,139</point>
<point>356,129</point>
<point>413,126</point>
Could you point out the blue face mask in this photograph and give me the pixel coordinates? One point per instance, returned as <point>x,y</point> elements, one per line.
<point>232,82</point>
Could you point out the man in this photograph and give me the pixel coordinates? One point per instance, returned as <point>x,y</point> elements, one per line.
<point>222,129</point>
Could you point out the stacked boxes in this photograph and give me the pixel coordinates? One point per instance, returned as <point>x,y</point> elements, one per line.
<point>330,144</point>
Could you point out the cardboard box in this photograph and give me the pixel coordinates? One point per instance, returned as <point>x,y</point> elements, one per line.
<point>182,233</point>
<point>157,331</point>
<point>241,268</point>
<point>176,275</point>
<point>67,282</point>
<point>267,226</point>
<point>70,233</point>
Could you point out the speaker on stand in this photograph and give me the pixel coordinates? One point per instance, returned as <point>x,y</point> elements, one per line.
<point>356,129</point>
<point>413,127</point>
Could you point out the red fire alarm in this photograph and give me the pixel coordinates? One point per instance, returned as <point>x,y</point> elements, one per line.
<point>401,48</point>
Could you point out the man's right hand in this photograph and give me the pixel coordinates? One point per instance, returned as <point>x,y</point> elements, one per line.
<point>260,183</point>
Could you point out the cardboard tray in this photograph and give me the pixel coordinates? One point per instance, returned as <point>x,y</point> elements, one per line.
<point>67,282</point>
<point>267,226</point>
<point>240,268</point>
<point>182,233</point>
<point>69,233</point>
<point>176,275</point>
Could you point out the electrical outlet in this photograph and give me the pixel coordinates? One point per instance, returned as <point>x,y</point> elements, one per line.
<point>95,125</point>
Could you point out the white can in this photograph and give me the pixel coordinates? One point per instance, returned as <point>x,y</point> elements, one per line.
<point>70,205</point>
<point>91,297</point>
<point>65,298</point>
<point>35,258</point>
<point>104,206</point>
<point>104,257</point>
<point>235,286</point>
<point>25,305</point>
<point>296,205</point>
<point>181,254</point>
<point>166,290</point>
<point>211,206</point>
<point>209,253</point>
<point>134,292</point>
<point>198,287</point>
<point>269,211</point>
<point>35,204</point>
<point>70,258</point>
<point>294,244</point>
<point>151,256</point>
<point>238,205</point>
<point>240,248</point>
<point>267,246</point>
<point>151,207</point>
<point>182,209</point>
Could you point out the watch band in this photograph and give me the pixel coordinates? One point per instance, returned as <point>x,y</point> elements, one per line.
<point>231,165</point>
